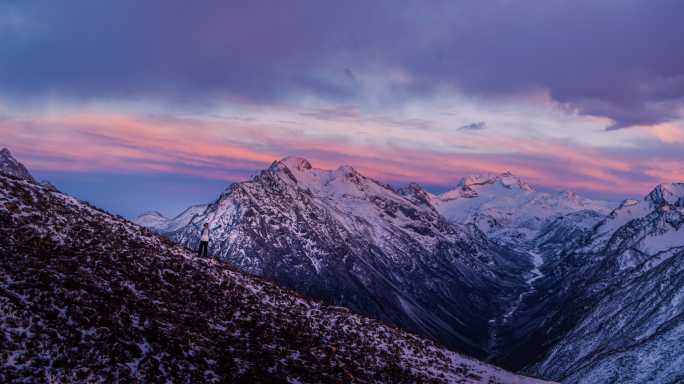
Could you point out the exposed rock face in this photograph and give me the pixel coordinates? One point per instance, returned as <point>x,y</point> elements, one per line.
<point>89,297</point>
<point>345,238</point>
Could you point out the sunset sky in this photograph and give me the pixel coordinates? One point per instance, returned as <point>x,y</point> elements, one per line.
<point>155,105</point>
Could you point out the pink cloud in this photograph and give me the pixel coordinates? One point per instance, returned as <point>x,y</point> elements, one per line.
<point>226,150</point>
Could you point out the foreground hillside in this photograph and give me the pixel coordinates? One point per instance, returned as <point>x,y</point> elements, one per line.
<point>88,297</point>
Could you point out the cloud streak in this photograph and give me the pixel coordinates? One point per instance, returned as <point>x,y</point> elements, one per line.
<point>232,150</point>
<point>473,126</point>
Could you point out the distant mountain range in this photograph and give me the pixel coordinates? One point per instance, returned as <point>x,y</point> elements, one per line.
<point>86,296</point>
<point>508,209</point>
<point>493,267</point>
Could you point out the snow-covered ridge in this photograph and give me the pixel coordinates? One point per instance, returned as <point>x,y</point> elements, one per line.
<point>672,194</point>
<point>344,181</point>
<point>632,305</point>
<point>650,226</point>
<point>349,239</point>
<point>507,208</point>
<point>468,186</point>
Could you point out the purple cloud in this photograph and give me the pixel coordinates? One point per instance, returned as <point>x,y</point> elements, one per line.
<point>617,59</point>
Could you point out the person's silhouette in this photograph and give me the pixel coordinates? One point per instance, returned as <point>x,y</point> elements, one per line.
<point>204,241</point>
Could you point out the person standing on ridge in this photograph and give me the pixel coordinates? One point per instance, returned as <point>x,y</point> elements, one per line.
<point>204,241</point>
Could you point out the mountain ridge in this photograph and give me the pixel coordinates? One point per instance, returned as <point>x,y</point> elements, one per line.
<point>351,240</point>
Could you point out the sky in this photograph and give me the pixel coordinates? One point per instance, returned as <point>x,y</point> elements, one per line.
<point>158,105</point>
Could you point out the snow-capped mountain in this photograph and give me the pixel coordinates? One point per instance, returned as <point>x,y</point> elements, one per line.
<point>352,241</point>
<point>89,297</point>
<point>161,224</point>
<point>639,230</point>
<point>508,209</point>
<point>618,306</point>
<point>10,166</point>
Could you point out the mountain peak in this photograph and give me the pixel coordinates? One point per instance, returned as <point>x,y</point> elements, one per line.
<point>506,179</point>
<point>346,170</point>
<point>295,163</point>
<point>415,193</point>
<point>11,166</point>
<point>468,186</point>
<point>667,193</point>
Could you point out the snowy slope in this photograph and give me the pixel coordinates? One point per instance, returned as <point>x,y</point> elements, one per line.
<point>639,230</point>
<point>89,297</point>
<point>625,289</point>
<point>347,239</point>
<point>507,208</point>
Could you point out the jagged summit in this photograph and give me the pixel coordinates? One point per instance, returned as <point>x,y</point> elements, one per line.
<point>10,166</point>
<point>294,163</point>
<point>299,172</point>
<point>299,165</point>
<point>668,193</point>
<point>415,193</point>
